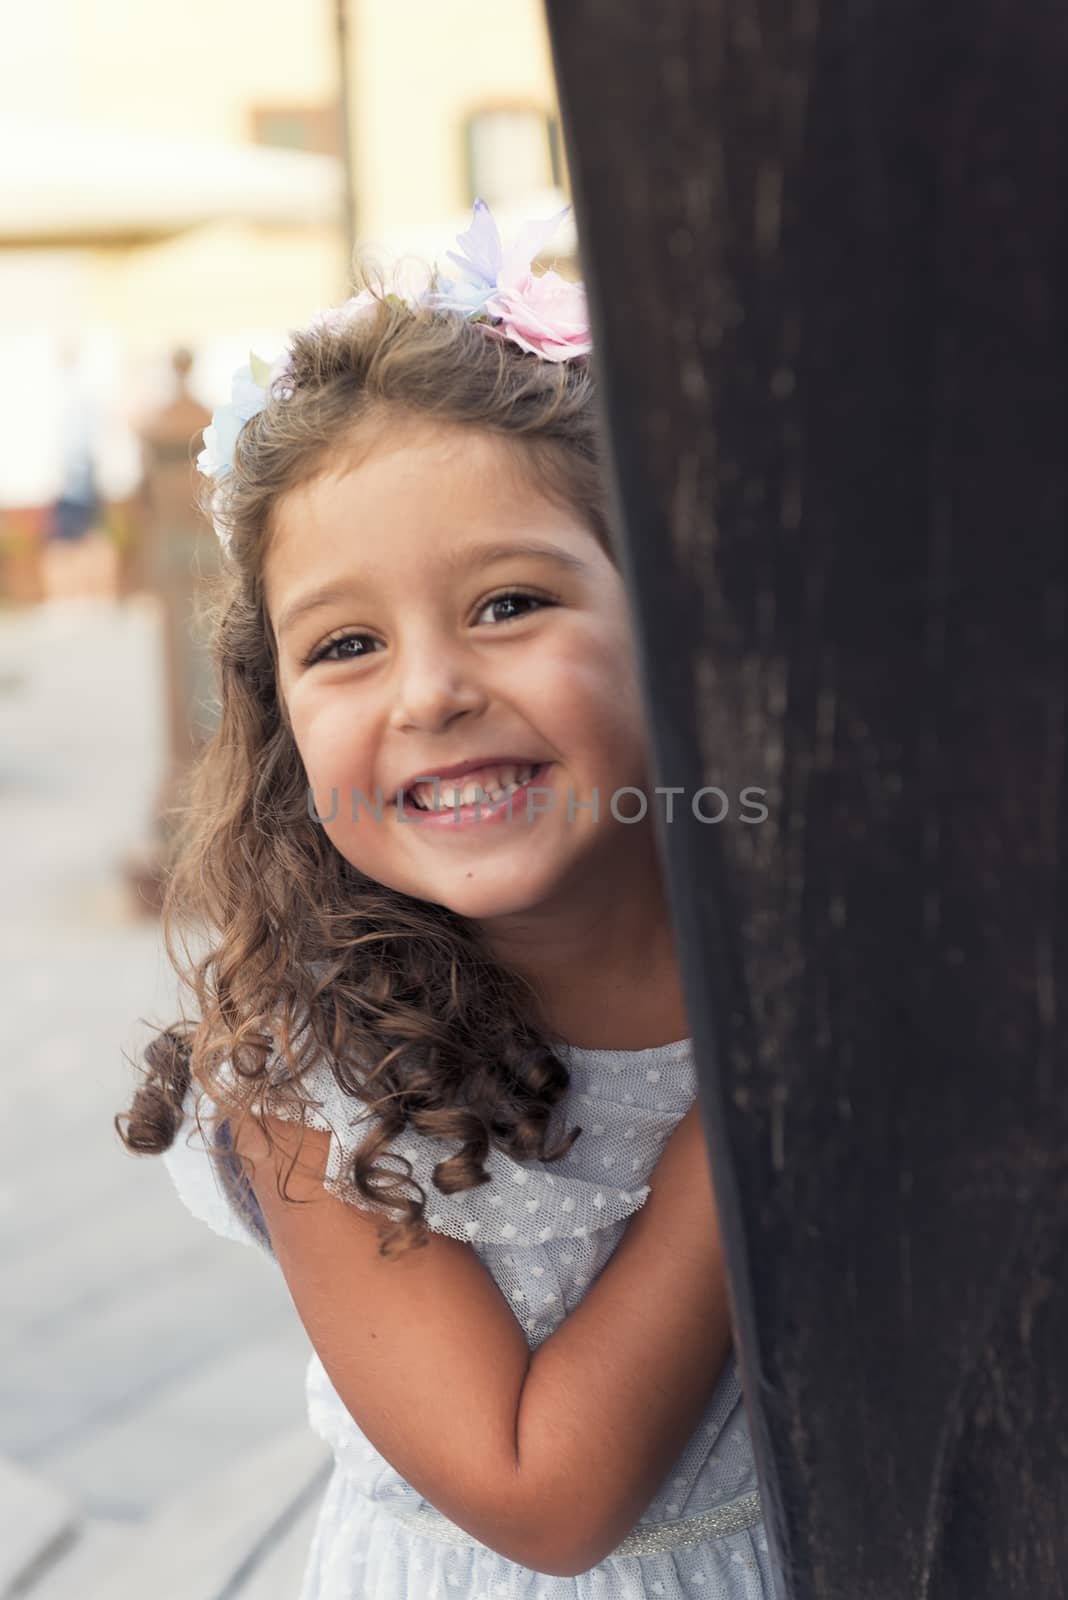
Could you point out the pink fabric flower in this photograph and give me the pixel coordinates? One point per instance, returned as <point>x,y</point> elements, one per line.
<point>545,315</point>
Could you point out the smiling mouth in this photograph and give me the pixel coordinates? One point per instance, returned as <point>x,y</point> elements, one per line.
<point>490,796</point>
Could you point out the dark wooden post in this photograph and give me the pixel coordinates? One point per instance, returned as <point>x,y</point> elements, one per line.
<point>827,253</point>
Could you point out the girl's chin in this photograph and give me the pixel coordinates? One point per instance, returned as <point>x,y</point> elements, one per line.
<point>481,896</point>
<point>469,890</point>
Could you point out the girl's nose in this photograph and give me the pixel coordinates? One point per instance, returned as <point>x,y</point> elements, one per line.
<point>433,686</point>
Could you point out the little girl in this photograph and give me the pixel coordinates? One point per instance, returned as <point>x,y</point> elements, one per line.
<point>439,933</point>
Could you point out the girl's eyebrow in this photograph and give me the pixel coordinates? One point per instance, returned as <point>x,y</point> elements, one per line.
<point>462,560</point>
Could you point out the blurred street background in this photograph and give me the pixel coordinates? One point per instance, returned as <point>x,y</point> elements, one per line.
<point>177,186</point>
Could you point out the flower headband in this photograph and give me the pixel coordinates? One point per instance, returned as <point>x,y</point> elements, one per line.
<point>544,315</point>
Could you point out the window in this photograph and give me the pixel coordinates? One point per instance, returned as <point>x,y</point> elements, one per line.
<point>513,151</point>
<point>316,129</point>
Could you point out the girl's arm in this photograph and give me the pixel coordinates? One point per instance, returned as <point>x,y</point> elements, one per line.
<point>548,1458</point>
<point>612,1397</point>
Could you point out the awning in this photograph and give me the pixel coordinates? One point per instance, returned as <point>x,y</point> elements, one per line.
<point>70,183</point>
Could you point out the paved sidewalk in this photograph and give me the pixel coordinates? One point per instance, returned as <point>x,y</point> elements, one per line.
<point>139,1354</point>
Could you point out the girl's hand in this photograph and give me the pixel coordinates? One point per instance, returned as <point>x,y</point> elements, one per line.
<point>682,1200</point>
<point>684,1156</point>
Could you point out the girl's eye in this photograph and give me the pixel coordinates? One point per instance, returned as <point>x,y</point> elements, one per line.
<point>335,649</point>
<point>509,597</point>
<point>325,652</point>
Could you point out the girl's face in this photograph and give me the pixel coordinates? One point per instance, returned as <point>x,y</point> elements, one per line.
<point>430,608</point>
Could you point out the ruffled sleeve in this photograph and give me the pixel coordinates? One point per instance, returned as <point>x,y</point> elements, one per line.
<point>524,1204</point>
<point>209,1180</point>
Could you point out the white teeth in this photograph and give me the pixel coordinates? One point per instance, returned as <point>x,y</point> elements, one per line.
<point>494,782</point>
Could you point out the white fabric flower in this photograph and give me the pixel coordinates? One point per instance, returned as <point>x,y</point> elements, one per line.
<point>220,436</point>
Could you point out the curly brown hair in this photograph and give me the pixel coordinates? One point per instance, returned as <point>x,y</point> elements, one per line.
<point>309,960</point>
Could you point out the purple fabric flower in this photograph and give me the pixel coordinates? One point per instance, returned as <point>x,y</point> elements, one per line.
<point>545,315</point>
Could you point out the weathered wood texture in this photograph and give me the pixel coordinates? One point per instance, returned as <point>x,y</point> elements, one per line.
<point>826,253</point>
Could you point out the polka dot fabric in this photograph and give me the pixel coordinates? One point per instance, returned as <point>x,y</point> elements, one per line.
<point>544,1231</point>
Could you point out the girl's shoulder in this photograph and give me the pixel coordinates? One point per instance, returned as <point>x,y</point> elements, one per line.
<point>625,1102</point>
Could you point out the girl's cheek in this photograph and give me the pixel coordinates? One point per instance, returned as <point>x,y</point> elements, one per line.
<point>328,734</point>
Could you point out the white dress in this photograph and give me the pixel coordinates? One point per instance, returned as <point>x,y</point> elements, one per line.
<point>544,1231</point>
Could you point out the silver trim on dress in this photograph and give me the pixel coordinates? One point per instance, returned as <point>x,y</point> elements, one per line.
<point>647,1539</point>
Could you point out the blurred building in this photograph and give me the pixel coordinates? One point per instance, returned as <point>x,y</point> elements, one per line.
<point>173,176</point>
